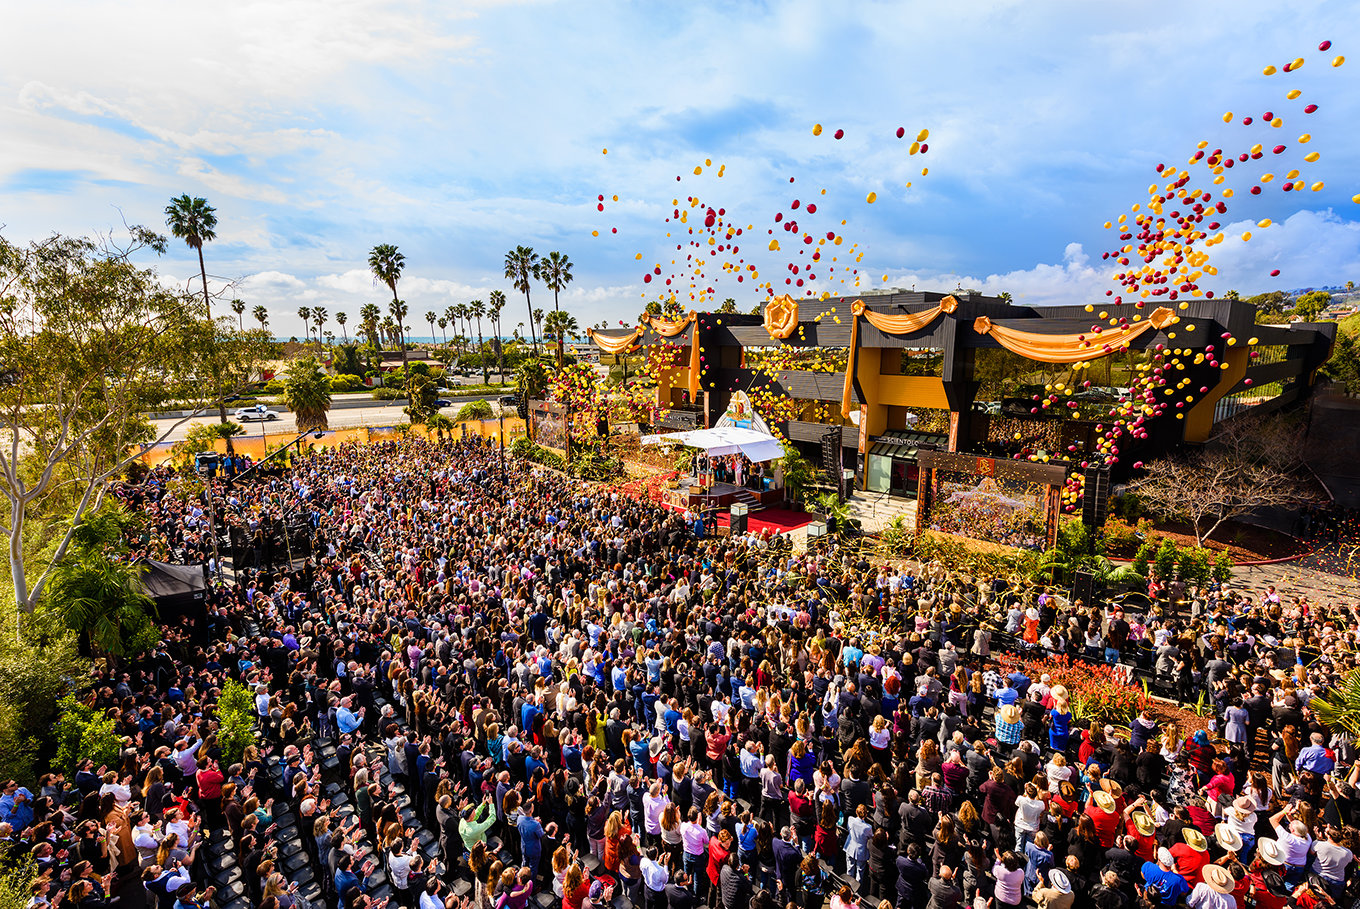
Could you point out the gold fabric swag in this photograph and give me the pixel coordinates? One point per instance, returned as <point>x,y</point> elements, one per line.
<point>1072,348</point>
<point>903,324</point>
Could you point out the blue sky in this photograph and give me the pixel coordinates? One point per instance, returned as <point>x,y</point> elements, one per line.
<point>459,130</point>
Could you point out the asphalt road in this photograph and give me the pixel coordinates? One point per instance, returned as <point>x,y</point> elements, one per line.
<point>380,413</point>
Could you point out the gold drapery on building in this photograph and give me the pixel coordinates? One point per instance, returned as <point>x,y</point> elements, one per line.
<point>694,363</point>
<point>893,325</point>
<point>614,345</point>
<point>1072,348</point>
<point>781,317</point>
<point>667,328</point>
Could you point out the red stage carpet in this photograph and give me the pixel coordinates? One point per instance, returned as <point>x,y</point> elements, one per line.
<point>775,520</point>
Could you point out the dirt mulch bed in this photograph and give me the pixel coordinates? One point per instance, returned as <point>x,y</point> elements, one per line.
<point>1244,542</point>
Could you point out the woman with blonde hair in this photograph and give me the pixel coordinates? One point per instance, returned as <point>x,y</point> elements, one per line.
<point>927,762</point>
<point>1059,720</point>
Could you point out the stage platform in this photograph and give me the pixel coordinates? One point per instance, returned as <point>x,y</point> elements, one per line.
<point>719,495</point>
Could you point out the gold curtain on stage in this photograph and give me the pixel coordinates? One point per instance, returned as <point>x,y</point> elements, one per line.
<point>893,325</point>
<point>1072,348</point>
<point>694,364</point>
<point>614,345</point>
<point>666,328</point>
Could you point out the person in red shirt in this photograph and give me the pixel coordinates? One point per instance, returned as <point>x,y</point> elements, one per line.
<point>1140,832</point>
<point>719,848</point>
<point>1101,811</point>
<point>1268,889</point>
<point>210,781</point>
<point>1191,856</point>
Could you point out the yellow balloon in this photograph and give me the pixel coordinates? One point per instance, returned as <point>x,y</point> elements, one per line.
<point>1266,178</point>
<point>1356,198</point>
<point>774,246</point>
<point>924,171</point>
<point>1277,122</point>
<point>915,147</point>
<point>604,151</point>
<point>1311,157</point>
<point>871,198</point>
<point>1264,222</point>
<point>816,129</point>
<point>1298,61</point>
<point>1246,236</point>
<point>1268,71</point>
<point>923,135</point>
<point>1293,93</point>
<point>1306,138</point>
<point>698,169</point>
<point>1227,118</point>
<point>1316,186</point>
<point>1338,61</point>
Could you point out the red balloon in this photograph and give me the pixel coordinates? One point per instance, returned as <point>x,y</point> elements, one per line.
<point>1275,273</point>
<point>1267,116</point>
<point>812,208</point>
<point>1277,149</point>
<point>901,132</point>
<point>1246,121</point>
<point>1324,45</point>
<point>646,279</point>
<point>924,148</point>
<point>1256,190</point>
<point>1310,108</point>
<point>840,134</point>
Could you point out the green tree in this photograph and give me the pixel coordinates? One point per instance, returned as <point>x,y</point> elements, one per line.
<point>17,874</point>
<point>348,361</point>
<point>423,392</point>
<point>307,392</point>
<point>239,307</point>
<point>38,663</point>
<point>340,319</point>
<point>495,304</point>
<point>261,315</point>
<point>319,316</point>
<point>530,383</point>
<point>305,314</point>
<point>559,325</point>
<point>91,344</point>
<point>799,474</point>
<point>1310,305</point>
<point>555,273</point>
<point>387,263</point>
<point>369,314</point>
<point>194,221</point>
<point>98,592</point>
<point>728,306</point>
<point>83,732</point>
<point>236,721</point>
<point>474,410</point>
<point>477,309</point>
<point>521,267</point>
<point>1343,367</point>
<point>430,317</point>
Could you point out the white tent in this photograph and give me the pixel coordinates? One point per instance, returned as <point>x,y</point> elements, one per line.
<point>725,440</point>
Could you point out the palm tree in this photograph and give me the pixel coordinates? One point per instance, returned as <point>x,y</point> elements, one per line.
<point>444,324</point>
<point>537,316</point>
<point>369,316</point>
<point>559,324</point>
<point>194,221</point>
<point>319,316</point>
<point>239,307</point>
<point>430,317</point>
<point>261,315</point>
<point>307,392</point>
<point>387,263</point>
<point>451,317</point>
<point>305,314</point>
<point>477,309</point>
<point>341,319</point>
<point>521,267</point>
<point>389,330</point>
<point>494,306</point>
<point>1005,297</point>
<point>555,272</point>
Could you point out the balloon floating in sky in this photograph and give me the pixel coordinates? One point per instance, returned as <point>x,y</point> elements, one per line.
<point>1325,46</point>
<point>839,134</point>
<point>816,129</point>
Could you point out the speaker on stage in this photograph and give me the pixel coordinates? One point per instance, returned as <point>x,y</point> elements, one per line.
<point>1083,587</point>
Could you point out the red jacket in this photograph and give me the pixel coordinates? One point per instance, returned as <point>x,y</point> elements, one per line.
<point>210,784</point>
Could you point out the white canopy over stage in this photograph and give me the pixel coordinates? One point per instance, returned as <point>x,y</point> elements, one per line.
<point>725,440</point>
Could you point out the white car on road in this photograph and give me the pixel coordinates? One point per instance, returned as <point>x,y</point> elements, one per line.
<point>258,412</point>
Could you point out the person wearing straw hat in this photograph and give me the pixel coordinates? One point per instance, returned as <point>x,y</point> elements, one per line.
<point>1009,727</point>
<point>1215,891</point>
<point>1103,814</point>
<point>1191,855</point>
<point>1057,893</point>
<point>1229,840</point>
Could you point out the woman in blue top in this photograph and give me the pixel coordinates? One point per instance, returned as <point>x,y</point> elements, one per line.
<point>1059,720</point>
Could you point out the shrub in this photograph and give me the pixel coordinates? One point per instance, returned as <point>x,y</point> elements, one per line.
<point>388,394</point>
<point>474,410</point>
<point>273,387</point>
<point>236,720</point>
<point>346,383</point>
<point>1164,561</point>
<point>1222,570</point>
<point>83,732</point>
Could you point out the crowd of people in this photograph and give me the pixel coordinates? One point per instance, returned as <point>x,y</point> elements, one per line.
<point>493,686</point>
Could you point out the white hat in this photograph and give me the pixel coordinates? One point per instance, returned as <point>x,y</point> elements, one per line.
<point>1164,857</point>
<point>1218,877</point>
<point>1228,838</point>
<point>1270,850</point>
<point>1057,879</point>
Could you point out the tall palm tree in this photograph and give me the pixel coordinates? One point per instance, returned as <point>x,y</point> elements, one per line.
<point>319,316</point>
<point>537,316</point>
<point>261,315</point>
<point>443,325</point>
<point>369,316</point>
<point>194,221</point>
<point>387,263</point>
<point>521,267</point>
<point>389,331</point>
<point>451,317</point>
<point>341,319</point>
<point>431,317</point>
<point>496,303</point>
<point>305,314</point>
<point>560,324</point>
<point>239,307</point>
<point>477,309</point>
<point>555,272</point>
<point>307,392</point>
